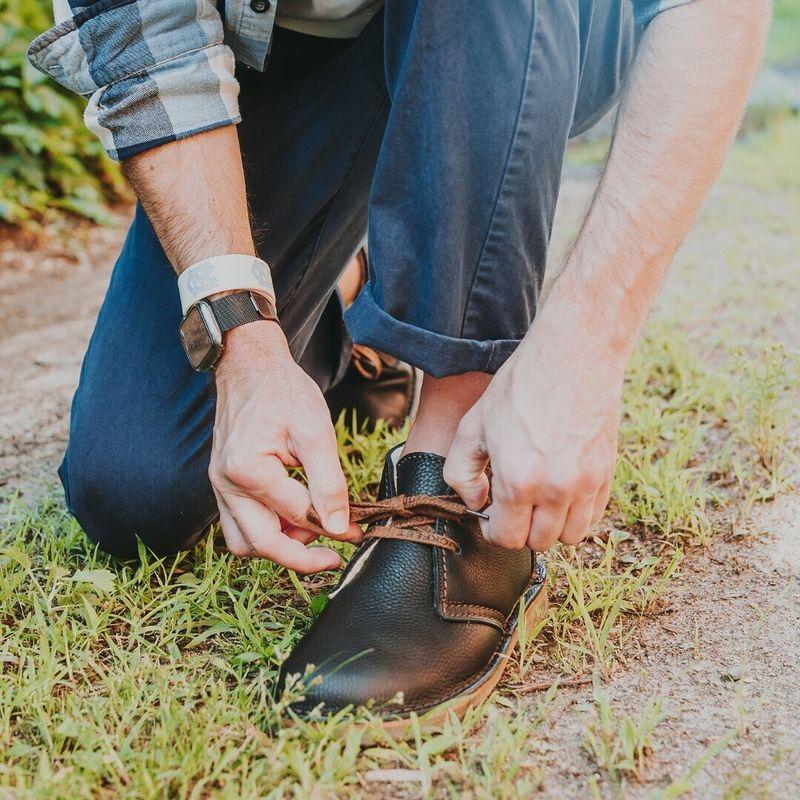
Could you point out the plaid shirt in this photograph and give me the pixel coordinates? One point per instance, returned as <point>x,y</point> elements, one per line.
<point>155,71</point>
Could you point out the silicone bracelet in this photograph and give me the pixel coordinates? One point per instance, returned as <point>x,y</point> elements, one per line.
<point>224,274</point>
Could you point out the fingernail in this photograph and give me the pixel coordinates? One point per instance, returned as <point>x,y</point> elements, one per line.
<point>338,522</point>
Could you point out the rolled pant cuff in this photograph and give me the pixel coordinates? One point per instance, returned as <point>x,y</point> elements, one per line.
<point>433,353</point>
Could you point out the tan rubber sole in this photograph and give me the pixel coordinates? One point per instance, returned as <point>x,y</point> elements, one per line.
<point>402,727</point>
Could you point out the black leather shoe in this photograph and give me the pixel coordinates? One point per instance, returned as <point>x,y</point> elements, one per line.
<point>425,617</point>
<point>375,386</point>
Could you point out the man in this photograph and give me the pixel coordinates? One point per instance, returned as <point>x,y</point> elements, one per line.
<point>445,123</point>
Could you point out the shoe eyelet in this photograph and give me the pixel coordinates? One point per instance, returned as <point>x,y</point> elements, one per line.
<point>458,551</point>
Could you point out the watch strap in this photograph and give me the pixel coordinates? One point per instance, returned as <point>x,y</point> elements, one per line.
<point>239,308</point>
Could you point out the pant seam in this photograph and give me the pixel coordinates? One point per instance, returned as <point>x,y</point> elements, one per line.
<point>509,158</point>
<point>381,92</point>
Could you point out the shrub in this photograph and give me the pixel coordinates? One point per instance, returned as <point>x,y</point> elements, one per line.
<point>49,162</point>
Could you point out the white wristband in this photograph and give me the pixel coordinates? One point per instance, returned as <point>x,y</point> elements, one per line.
<point>224,274</point>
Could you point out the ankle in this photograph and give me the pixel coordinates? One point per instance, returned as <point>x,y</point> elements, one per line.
<point>442,404</point>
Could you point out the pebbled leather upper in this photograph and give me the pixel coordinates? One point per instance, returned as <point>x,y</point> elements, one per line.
<point>410,618</point>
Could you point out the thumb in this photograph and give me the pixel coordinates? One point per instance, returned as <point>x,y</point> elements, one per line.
<point>464,469</point>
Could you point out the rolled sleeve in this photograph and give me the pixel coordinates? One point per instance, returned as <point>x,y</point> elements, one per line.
<point>646,11</point>
<point>153,71</point>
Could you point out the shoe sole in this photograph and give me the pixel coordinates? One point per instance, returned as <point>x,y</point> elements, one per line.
<point>536,604</point>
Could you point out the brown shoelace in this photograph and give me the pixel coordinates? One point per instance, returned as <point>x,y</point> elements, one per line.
<point>417,513</point>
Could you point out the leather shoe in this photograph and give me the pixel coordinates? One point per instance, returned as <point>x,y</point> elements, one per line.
<point>375,386</point>
<point>425,615</point>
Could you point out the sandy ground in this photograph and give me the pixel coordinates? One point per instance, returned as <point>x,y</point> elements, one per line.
<point>725,655</point>
<point>48,302</point>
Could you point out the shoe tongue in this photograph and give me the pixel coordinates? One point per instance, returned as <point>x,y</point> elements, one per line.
<point>421,473</point>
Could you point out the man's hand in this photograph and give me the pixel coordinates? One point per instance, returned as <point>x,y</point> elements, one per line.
<point>271,415</point>
<point>549,419</point>
<point>548,422</point>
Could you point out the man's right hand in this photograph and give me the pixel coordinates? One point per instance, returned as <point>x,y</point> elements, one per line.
<point>271,415</point>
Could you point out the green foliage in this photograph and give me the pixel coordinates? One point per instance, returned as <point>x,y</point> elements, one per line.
<point>782,47</point>
<point>49,162</point>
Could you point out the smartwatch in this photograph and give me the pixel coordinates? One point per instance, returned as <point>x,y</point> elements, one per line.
<point>207,321</point>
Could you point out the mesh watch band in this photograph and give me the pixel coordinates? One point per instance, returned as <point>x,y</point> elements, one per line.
<point>240,308</point>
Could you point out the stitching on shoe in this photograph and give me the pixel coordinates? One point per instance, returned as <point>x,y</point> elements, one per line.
<point>429,704</point>
<point>417,457</point>
<point>492,615</point>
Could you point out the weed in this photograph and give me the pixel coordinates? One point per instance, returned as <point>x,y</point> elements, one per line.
<point>618,743</point>
<point>587,625</point>
<point>763,405</point>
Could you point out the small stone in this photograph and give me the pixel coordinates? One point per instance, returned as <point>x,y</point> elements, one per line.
<point>732,675</point>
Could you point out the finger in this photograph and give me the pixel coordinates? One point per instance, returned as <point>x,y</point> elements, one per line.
<point>465,467</point>
<point>261,528</point>
<point>578,522</point>
<point>601,501</point>
<point>306,537</point>
<point>234,540</point>
<point>288,497</point>
<point>546,526</point>
<point>509,519</point>
<point>300,534</point>
<point>327,486</point>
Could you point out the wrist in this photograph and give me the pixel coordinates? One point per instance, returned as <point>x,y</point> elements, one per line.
<point>596,317</point>
<point>250,346</point>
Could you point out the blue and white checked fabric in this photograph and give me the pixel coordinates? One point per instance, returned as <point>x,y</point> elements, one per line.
<point>155,71</point>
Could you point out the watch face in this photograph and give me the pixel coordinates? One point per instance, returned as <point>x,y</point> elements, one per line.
<point>201,336</point>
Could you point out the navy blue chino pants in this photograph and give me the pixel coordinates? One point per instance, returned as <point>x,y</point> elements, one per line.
<point>444,124</point>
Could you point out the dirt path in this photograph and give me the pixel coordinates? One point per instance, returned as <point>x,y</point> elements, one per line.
<point>725,658</point>
<point>725,655</point>
<point>48,303</point>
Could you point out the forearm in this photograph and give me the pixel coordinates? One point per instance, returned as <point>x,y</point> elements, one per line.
<point>194,194</point>
<point>193,191</point>
<point>681,109</point>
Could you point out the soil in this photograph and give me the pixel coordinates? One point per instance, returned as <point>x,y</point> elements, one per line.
<point>49,298</point>
<point>725,654</point>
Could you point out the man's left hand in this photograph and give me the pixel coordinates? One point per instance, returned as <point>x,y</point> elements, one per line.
<point>548,422</point>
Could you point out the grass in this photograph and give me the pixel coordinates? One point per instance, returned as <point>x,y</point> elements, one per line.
<point>618,743</point>
<point>153,679</point>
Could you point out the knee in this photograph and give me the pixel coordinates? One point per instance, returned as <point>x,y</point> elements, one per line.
<point>117,501</point>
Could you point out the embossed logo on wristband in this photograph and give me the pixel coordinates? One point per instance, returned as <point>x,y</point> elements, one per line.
<point>231,272</point>
<point>262,274</point>
<point>202,278</point>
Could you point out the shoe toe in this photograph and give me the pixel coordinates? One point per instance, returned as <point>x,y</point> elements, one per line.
<point>374,672</point>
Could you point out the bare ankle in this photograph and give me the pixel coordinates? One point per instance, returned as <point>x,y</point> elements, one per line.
<point>442,404</point>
